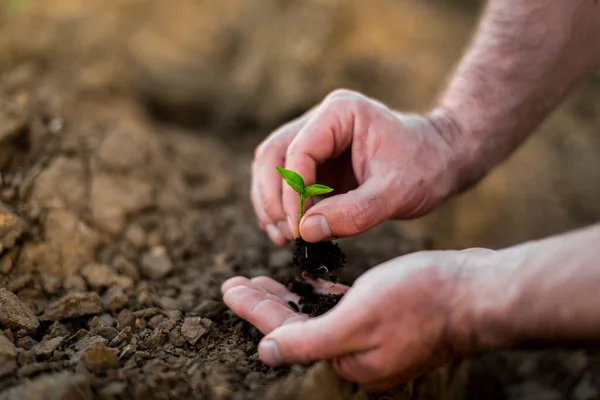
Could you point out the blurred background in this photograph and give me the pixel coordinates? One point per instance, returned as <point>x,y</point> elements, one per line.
<point>127,128</point>
<point>239,68</point>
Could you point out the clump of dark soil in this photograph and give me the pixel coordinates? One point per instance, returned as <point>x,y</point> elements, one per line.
<point>318,260</point>
<point>311,302</point>
<point>315,260</point>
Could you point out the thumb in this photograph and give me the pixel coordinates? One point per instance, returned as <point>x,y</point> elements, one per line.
<point>350,213</point>
<point>320,338</point>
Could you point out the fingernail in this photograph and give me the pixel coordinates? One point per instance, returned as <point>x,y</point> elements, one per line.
<point>316,228</point>
<point>284,228</point>
<point>292,227</point>
<point>269,353</point>
<point>274,233</point>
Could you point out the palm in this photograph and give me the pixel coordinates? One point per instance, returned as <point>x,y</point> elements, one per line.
<point>263,301</point>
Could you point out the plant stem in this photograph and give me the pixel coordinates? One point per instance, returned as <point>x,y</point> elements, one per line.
<point>301,212</point>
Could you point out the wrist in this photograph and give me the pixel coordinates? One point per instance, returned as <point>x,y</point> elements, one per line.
<point>465,165</point>
<point>485,303</point>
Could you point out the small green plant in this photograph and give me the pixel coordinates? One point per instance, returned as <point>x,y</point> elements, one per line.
<point>296,182</point>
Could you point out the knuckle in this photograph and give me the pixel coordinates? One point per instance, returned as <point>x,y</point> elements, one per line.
<point>356,216</point>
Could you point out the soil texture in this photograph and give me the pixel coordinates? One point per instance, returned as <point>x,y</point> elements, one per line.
<point>117,227</point>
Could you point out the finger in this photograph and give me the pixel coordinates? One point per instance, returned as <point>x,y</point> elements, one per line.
<point>266,183</point>
<point>350,213</point>
<point>260,308</point>
<point>242,281</point>
<point>327,134</point>
<point>331,335</point>
<point>275,288</point>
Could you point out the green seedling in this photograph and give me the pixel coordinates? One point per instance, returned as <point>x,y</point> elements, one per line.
<point>296,182</point>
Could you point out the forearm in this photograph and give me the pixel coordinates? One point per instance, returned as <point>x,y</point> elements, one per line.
<point>544,293</point>
<point>524,59</point>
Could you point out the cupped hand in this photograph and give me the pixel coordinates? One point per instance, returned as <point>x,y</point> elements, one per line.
<point>397,321</point>
<point>381,164</point>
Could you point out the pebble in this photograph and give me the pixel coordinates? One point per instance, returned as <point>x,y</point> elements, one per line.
<point>73,305</point>
<point>193,329</point>
<point>156,264</point>
<point>47,347</point>
<point>15,314</point>
<point>99,275</point>
<point>114,299</point>
<point>99,358</point>
<point>74,283</point>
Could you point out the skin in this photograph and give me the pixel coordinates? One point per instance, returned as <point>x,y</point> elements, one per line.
<point>416,312</point>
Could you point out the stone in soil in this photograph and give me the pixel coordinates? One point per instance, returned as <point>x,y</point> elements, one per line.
<point>15,314</point>
<point>114,299</point>
<point>73,305</point>
<point>99,275</point>
<point>98,357</point>
<point>156,264</point>
<point>11,228</point>
<point>194,328</point>
<point>47,347</point>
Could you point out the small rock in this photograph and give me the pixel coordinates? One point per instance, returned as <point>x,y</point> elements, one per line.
<point>176,339</point>
<point>73,305</point>
<point>51,283</point>
<point>99,275</point>
<point>125,318</point>
<point>157,338</point>
<point>107,320</point>
<point>88,342</point>
<point>156,263</point>
<point>168,303</point>
<point>126,268</point>
<point>124,282</point>
<point>15,314</point>
<point>209,309</point>
<point>114,299</point>
<point>156,321</point>
<point>8,357</point>
<point>136,236</point>
<point>144,298</point>
<point>19,282</point>
<point>99,358</point>
<point>47,347</point>
<point>74,283</point>
<point>107,332</point>
<point>192,329</point>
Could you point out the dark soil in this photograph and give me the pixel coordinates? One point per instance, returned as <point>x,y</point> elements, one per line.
<point>318,260</point>
<point>312,303</point>
<point>116,230</point>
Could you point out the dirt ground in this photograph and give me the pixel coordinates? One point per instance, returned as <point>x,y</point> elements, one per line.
<point>127,128</point>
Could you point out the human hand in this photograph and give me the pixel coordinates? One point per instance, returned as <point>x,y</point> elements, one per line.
<point>397,321</point>
<point>382,165</point>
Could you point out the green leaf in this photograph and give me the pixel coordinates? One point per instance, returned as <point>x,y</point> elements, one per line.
<point>292,178</point>
<point>316,189</point>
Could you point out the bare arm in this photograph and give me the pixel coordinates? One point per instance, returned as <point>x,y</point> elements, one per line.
<point>543,293</point>
<point>524,59</point>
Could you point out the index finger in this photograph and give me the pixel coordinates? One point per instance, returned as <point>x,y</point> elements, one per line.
<point>327,134</point>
